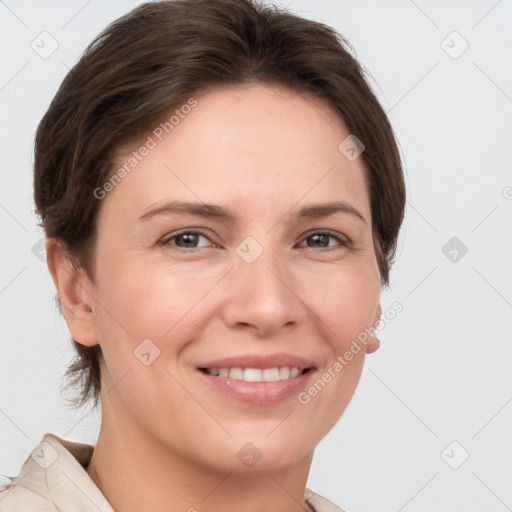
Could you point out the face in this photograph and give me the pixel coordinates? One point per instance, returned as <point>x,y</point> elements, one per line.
<point>214,327</point>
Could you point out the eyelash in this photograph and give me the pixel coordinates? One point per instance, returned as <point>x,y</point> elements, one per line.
<point>165,242</point>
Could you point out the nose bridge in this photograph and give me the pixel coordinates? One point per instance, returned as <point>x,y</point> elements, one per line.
<point>260,264</point>
<point>261,287</point>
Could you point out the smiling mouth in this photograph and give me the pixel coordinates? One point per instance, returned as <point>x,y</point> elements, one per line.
<point>257,374</point>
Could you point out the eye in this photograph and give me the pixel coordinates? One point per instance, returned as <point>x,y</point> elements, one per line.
<point>184,239</point>
<point>322,238</point>
<point>187,241</point>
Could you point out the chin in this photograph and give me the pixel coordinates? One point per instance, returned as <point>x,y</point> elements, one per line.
<point>259,455</point>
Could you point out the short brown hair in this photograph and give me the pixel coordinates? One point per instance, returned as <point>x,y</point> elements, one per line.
<point>154,58</point>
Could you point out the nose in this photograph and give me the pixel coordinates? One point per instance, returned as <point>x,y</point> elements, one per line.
<point>263,296</point>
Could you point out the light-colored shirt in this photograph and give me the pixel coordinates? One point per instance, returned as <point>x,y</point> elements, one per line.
<point>53,479</point>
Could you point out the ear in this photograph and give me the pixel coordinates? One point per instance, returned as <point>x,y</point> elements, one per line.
<point>72,286</point>
<point>373,343</point>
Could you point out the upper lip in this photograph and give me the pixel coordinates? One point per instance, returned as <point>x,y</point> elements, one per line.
<point>260,361</point>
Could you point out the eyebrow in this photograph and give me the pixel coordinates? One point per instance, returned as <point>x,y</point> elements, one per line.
<point>212,211</point>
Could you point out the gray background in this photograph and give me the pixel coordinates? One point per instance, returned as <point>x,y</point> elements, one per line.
<point>442,374</point>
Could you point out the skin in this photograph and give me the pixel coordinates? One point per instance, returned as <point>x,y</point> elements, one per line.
<point>167,441</point>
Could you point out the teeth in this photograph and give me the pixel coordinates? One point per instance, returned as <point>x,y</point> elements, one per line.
<point>236,373</point>
<point>256,374</point>
<point>270,374</point>
<point>284,373</point>
<point>252,375</point>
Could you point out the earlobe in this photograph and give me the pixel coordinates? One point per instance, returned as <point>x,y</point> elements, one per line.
<point>372,345</point>
<point>373,342</point>
<point>72,285</point>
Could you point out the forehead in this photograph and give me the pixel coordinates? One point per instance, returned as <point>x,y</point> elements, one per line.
<point>253,145</point>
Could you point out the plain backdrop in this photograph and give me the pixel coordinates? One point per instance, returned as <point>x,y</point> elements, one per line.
<point>429,427</point>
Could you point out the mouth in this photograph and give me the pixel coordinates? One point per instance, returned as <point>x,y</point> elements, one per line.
<point>273,374</point>
<point>257,379</point>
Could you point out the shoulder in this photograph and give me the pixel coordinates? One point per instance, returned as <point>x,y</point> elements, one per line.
<point>53,478</point>
<point>319,503</point>
<point>28,490</point>
<point>16,497</point>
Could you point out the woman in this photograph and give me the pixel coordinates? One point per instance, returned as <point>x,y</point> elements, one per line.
<point>222,194</point>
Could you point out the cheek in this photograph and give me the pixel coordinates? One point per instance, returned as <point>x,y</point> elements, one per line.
<point>346,302</point>
<point>150,302</point>
<point>346,305</point>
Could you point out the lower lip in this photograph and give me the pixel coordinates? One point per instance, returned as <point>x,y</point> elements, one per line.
<point>258,393</point>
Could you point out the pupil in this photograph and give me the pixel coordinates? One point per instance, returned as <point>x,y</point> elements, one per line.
<point>325,237</point>
<point>189,238</point>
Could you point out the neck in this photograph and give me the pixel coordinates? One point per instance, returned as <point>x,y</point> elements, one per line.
<point>135,471</point>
